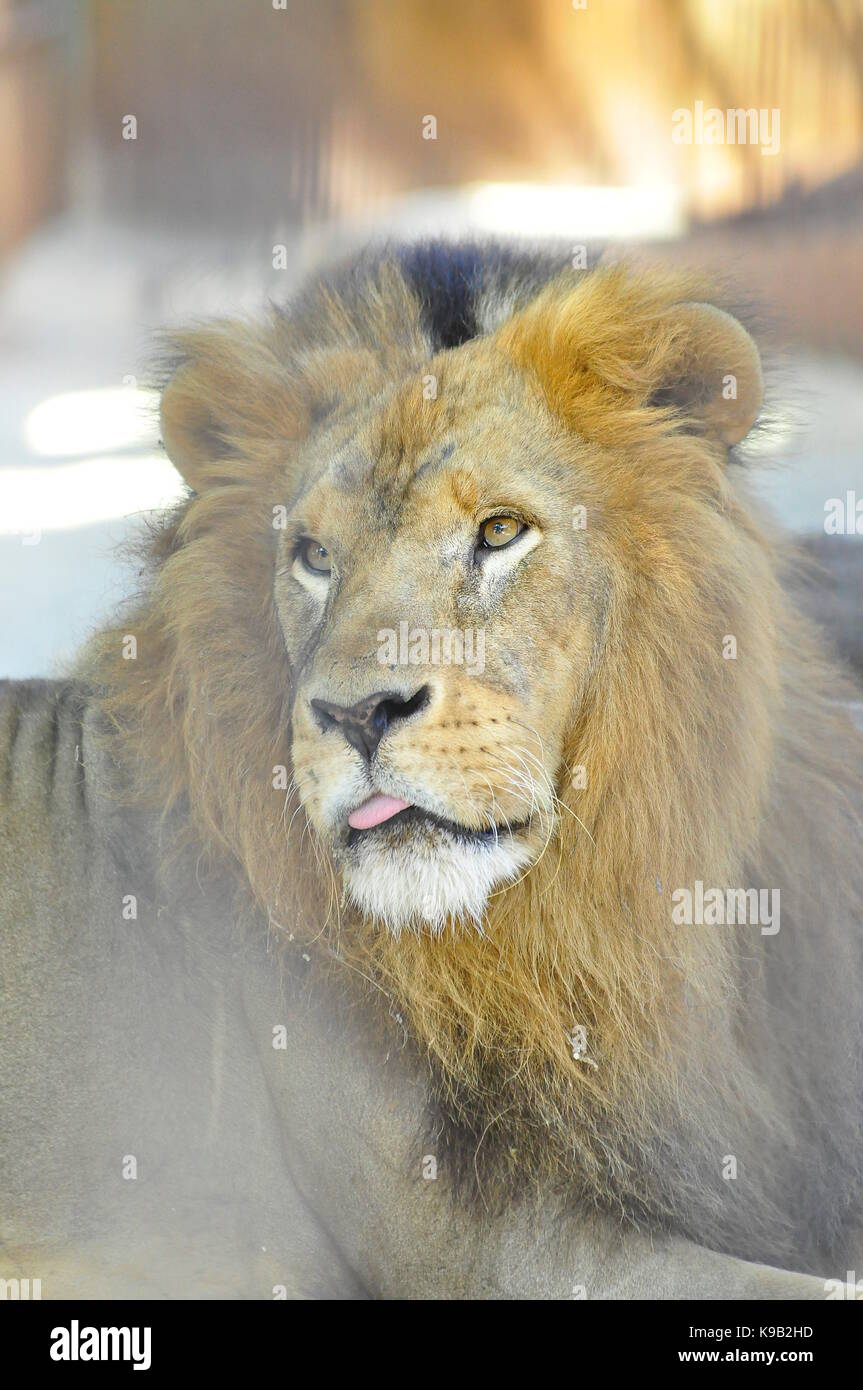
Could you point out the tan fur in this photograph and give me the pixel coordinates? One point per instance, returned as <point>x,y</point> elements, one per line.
<point>601,392</point>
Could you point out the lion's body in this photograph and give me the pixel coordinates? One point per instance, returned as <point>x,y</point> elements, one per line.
<point>121,1042</point>
<point>717,1098</point>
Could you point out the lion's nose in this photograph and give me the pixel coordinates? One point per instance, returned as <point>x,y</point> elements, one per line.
<point>365,723</point>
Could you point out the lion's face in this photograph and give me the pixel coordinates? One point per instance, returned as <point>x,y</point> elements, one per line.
<point>439,610</point>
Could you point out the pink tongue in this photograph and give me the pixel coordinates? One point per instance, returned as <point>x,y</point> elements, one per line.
<point>376,810</point>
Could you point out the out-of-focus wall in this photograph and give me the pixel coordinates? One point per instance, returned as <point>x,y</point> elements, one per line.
<point>305,109</point>
<point>254,113</point>
<point>35,96</point>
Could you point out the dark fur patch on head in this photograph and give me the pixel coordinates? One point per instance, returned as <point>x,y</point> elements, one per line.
<point>450,280</point>
<point>446,280</point>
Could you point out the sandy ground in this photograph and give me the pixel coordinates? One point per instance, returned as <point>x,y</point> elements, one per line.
<point>79,308</point>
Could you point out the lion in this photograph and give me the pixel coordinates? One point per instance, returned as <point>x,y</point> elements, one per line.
<point>445,879</point>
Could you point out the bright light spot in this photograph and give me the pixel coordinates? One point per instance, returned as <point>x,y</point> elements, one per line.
<point>589,213</point>
<point>646,210</point>
<point>55,498</point>
<point>92,422</point>
<point>772,439</point>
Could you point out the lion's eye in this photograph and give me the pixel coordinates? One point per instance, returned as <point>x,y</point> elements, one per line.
<point>314,556</point>
<point>499,531</point>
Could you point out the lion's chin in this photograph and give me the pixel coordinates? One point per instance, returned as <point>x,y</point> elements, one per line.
<point>429,887</point>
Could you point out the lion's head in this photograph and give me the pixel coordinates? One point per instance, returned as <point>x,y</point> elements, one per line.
<point>467,649</point>
<point>458,539</point>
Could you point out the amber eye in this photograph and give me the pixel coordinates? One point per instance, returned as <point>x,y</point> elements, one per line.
<point>498,531</point>
<point>314,556</point>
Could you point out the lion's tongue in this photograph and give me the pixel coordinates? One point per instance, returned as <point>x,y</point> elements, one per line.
<point>376,810</point>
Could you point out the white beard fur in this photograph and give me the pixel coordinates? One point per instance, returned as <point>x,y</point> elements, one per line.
<point>409,889</point>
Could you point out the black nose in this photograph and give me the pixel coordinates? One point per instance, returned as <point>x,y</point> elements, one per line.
<point>365,723</point>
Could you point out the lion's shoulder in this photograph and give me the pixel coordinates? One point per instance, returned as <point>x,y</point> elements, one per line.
<point>63,810</point>
<point>42,733</point>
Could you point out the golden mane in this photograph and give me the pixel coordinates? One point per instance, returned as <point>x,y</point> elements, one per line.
<point>692,775</point>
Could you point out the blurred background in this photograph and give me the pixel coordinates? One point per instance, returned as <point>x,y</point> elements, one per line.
<point>162,160</point>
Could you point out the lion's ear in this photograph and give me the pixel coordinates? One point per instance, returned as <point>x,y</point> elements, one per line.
<point>615,342</point>
<point>228,404</point>
<point>190,430</point>
<point>712,372</point>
